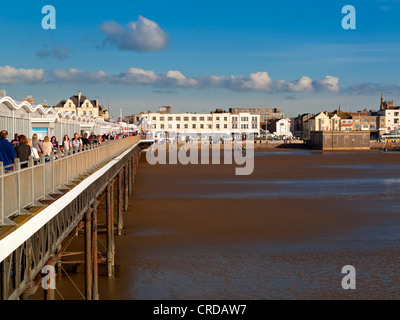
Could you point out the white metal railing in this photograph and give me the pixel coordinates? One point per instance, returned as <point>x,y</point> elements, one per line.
<point>22,188</point>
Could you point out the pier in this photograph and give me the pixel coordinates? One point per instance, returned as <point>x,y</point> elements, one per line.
<point>44,206</point>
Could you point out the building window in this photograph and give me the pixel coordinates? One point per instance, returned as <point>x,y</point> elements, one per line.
<point>186,119</point>
<point>209,126</point>
<point>194,126</point>
<point>178,118</point>
<point>162,118</point>
<point>217,118</point>
<point>178,126</point>
<point>245,118</point>
<point>87,104</point>
<point>194,118</point>
<point>201,126</point>
<point>69,104</point>
<point>209,118</point>
<point>90,113</point>
<point>225,126</point>
<point>254,126</point>
<point>170,126</point>
<point>186,126</point>
<point>225,118</point>
<point>84,113</point>
<point>201,118</point>
<point>162,126</point>
<point>154,118</point>
<point>170,118</point>
<point>217,126</point>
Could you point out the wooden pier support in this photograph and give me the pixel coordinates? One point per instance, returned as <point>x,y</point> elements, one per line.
<point>126,187</point>
<point>110,229</point>
<point>95,295</point>
<point>120,203</point>
<point>88,255</point>
<point>130,176</point>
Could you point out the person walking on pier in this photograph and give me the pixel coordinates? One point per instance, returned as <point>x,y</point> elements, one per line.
<point>47,146</point>
<point>66,144</point>
<point>7,153</point>
<point>37,144</point>
<point>76,143</point>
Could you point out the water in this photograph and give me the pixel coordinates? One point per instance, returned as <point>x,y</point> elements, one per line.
<point>285,232</point>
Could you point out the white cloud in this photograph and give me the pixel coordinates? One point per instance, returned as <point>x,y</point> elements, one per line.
<point>177,78</point>
<point>304,84</point>
<point>173,79</point>
<point>76,75</point>
<point>136,76</point>
<point>143,35</point>
<point>12,75</point>
<point>327,83</point>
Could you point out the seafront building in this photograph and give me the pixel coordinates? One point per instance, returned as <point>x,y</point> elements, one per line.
<point>82,106</point>
<point>281,128</point>
<point>187,124</point>
<point>24,118</point>
<point>384,121</point>
<point>164,123</point>
<point>267,115</point>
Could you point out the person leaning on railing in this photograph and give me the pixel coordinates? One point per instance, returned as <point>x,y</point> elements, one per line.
<point>7,153</point>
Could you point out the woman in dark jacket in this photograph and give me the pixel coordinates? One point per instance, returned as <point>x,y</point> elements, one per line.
<point>23,151</point>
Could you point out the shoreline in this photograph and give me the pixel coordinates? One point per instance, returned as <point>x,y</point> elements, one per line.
<point>276,146</point>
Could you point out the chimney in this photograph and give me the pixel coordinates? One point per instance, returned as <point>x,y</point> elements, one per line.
<point>79,99</point>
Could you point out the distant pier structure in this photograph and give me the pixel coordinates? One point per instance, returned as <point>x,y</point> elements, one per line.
<point>340,140</point>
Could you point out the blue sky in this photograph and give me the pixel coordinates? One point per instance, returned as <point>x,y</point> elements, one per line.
<point>198,56</point>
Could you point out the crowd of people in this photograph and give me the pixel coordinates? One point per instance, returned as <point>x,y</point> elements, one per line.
<point>22,147</point>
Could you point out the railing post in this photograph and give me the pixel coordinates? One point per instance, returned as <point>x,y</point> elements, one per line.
<point>42,164</point>
<point>53,187</point>
<point>30,166</point>
<point>17,169</point>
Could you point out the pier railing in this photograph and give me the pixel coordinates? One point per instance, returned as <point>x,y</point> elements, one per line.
<point>22,188</point>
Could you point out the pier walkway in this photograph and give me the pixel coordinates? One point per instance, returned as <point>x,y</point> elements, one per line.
<point>43,206</point>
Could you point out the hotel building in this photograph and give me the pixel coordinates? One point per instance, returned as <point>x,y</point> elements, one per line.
<point>187,124</point>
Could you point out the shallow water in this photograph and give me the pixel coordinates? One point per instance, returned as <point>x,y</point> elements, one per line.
<point>285,232</point>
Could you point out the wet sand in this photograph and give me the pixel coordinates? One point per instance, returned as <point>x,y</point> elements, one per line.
<point>285,232</point>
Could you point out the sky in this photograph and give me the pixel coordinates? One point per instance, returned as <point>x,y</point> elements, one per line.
<point>201,55</point>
